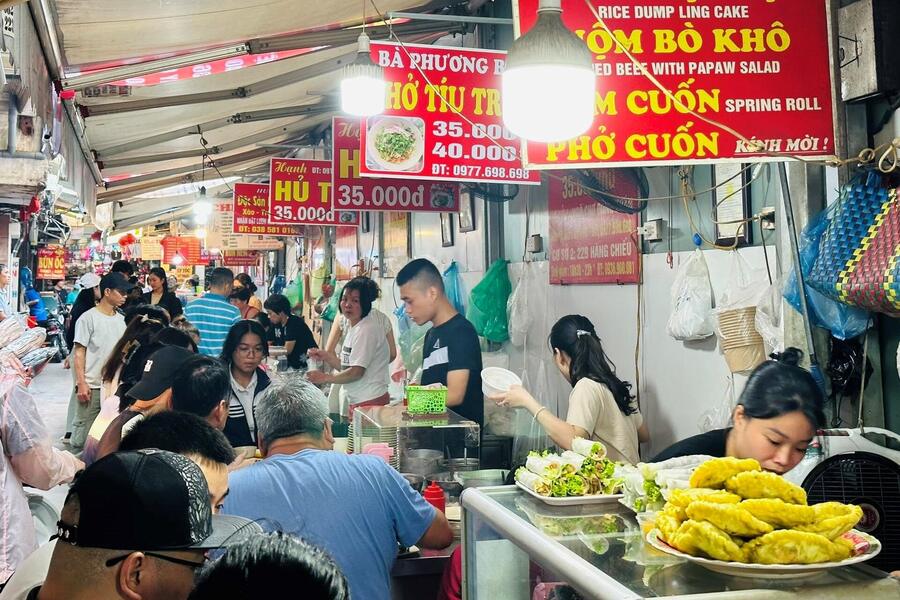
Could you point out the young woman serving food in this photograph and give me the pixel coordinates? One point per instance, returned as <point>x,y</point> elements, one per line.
<point>601,406</point>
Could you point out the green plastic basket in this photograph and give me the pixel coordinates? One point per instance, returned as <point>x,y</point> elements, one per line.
<point>426,401</point>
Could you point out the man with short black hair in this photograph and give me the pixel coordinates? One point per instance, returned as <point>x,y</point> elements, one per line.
<point>107,548</point>
<point>201,388</point>
<point>212,314</point>
<point>96,333</point>
<point>124,267</point>
<point>452,353</point>
<point>190,436</point>
<point>288,330</point>
<point>356,507</point>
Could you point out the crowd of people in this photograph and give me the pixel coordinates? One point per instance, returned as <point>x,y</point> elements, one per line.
<point>178,412</point>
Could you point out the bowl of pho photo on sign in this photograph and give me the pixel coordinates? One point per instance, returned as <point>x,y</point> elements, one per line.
<point>395,144</point>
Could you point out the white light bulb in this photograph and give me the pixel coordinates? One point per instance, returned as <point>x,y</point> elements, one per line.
<point>177,259</point>
<point>362,96</point>
<point>548,103</point>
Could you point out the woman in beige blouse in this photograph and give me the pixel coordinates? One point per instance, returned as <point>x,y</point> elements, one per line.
<point>601,406</point>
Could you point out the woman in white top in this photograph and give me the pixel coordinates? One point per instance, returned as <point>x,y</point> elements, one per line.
<point>601,406</point>
<point>362,368</point>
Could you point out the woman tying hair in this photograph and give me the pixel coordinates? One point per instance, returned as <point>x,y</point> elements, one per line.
<point>159,293</point>
<point>775,419</point>
<point>601,406</point>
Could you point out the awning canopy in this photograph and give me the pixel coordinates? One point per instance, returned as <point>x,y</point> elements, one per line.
<point>244,81</point>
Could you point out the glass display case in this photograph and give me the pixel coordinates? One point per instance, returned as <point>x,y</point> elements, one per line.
<point>519,548</point>
<point>423,445</point>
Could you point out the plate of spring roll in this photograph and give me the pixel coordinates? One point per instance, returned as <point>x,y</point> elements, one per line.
<point>582,475</point>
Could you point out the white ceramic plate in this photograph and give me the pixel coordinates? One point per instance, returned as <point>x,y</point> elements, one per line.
<point>572,500</point>
<point>413,163</point>
<point>765,571</point>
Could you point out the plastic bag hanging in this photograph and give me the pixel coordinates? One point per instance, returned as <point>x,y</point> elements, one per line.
<point>517,308</point>
<point>411,340</point>
<point>487,304</point>
<point>691,317</point>
<point>740,342</point>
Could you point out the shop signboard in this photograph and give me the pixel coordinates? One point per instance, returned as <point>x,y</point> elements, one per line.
<point>51,262</point>
<point>240,258</point>
<point>755,68</point>
<point>300,194</point>
<point>249,212</point>
<point>351,191</point>
<point>590,243</point>
<point>458,138</point>
<point>187,247</point>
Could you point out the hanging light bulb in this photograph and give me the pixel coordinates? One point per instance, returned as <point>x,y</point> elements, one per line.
<point>202,207</point>
<point>363,87</point>
<point>548,85</point>
<point>178,259</point>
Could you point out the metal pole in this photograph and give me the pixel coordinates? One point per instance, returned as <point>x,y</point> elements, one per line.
<point>795,251</point>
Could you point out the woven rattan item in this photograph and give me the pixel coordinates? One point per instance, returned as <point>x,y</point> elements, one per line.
<point>859,256</point>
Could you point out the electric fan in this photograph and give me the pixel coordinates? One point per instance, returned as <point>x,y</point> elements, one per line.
<point>870,481</point>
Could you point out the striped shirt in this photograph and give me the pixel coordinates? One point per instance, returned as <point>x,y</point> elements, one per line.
<point>213,316</point>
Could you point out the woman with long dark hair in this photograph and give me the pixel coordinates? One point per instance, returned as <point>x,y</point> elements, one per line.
<point>244,350</point>
<point>159,293</point>
<point>775,419</point>
<point>601,406</point>
<point>242,280</point>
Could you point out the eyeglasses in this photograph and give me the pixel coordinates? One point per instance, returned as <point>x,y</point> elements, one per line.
<point>178,561</point>
<point>248,350</point>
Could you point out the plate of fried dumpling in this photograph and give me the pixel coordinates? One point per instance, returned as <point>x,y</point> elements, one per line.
<point>737,519</point>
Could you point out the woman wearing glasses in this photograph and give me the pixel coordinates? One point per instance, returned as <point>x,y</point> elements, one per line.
<point>244,350</point>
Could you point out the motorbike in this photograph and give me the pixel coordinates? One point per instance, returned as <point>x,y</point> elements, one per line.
<point>56,332</point>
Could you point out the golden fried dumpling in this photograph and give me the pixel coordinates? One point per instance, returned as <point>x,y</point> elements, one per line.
<point>668,526</point>
<point>791,547</point>
<point>730,518</point>
<point>833,519</point>
<point>714,473</point>
<point>683,497</point>
<point>778,513</point>
<point>702,537</point>
<point>761,484</point>
<point>675,511</point>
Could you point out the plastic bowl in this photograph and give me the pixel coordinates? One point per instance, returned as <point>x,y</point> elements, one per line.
<point>495,380</point>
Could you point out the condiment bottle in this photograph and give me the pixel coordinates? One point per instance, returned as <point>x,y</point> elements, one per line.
<point>434,495</point>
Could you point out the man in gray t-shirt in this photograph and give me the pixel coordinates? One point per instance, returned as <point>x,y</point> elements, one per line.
<point>5,309</point>
<point>96,333</point>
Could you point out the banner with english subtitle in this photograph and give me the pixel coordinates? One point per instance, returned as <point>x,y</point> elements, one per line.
<point>760,67</point>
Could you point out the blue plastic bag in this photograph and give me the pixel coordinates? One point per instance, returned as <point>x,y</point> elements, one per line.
<point>453,287</point>
<point>845,322</point>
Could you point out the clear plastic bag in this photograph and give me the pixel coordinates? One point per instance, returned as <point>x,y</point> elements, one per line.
<point>517,307</point>
<point>741,344</point>
<point>691,317</point>
<point>719,417</point>
<point>411,340</point>
<point>770,318</point>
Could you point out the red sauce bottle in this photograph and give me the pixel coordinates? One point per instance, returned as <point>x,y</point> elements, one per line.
<point>434,495</point>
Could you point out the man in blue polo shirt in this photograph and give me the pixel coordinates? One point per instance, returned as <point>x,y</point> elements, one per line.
<point>212,314</point>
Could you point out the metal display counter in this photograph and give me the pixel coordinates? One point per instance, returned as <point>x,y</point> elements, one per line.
<point>516,547</point>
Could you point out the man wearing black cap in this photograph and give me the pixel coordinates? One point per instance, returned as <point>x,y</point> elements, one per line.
<point>96,333</point>
<point>150,395</point>
<point>136,525</point>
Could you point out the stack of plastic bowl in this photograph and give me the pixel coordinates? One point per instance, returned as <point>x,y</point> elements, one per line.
<point>741,344</point>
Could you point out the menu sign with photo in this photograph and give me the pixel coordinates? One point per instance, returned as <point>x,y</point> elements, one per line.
<point>351,191</point>
<point>449,130</point>
<point>249,212</point>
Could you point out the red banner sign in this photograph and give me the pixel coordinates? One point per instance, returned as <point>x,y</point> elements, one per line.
<point>349,190</point>
<point>51,262</point>
<point>186,247</point>
<point>240,258</point>
<point>758,67</point>
<point>590,243</point>
<point>250,210</point>
<point>420,135</point>
<point>300,194</point>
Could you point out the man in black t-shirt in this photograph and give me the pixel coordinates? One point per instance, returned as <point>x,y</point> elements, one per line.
<point>452,353</point>
<point>288,330</point>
